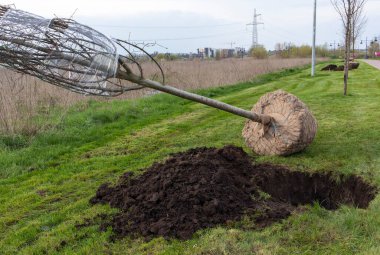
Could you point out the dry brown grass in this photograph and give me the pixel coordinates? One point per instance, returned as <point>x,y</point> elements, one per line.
<point>22,98</point>
<point>205,74</point>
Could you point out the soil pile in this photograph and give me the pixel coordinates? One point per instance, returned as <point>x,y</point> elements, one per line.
<point>332,67</point>
<point>203,188</point>
<point>193,190</point>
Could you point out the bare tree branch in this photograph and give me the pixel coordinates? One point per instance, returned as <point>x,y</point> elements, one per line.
<point>359,22</point>
<point>65,53</point>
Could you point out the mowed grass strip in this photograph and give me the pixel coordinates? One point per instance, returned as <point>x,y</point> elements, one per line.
<point>46,182</point>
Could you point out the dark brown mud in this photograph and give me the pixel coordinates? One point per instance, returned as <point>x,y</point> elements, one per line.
<point>205,187</point>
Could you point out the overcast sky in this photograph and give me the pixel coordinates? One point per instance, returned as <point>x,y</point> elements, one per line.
<point>184,25</point>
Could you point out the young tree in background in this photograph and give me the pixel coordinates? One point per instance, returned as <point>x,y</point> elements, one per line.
<point>348,10</point>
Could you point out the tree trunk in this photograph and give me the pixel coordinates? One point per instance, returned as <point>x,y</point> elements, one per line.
<point>353,35</point>
<point>348,47</point>
<point>347,59</point>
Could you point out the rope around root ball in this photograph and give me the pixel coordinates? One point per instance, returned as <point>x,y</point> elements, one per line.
<point>292,127</point>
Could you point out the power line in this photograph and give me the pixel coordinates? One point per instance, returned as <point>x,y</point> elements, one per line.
<point>167,27</point>
<point>192,38</point>
<point>281,29</point>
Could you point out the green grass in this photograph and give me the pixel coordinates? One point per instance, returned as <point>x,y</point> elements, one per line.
<point>46,182</point>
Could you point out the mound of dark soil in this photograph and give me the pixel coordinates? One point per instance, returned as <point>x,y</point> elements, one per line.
<point>203,188</point>
<point>330,67</point>
<point>351,66</point>
<point>196,189</point>
<point>354,65</point>
<point>339,68</point>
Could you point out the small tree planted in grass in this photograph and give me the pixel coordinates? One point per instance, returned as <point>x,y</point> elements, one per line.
<point>348,10</point>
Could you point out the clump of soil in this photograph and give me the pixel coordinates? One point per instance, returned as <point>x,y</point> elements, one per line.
<point>332,67</point>
<point>204,187</point>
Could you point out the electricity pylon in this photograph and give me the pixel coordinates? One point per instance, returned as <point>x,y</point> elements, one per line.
<point>255,34</point>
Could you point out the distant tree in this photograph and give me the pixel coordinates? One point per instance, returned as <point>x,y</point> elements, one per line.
<point>258,52</point>
<point>290,50</point>
<point>323,51</point>
<point>218,55</point>
<point>284,50</point>
<point>348,10</point>
<point>166,56</point>
<point>304,51</point>
<point>374,47</point>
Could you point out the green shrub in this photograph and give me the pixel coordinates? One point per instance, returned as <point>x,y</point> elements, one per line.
<point>258,52</point>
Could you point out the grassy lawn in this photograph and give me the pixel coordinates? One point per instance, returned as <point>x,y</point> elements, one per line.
<point>46,182</point>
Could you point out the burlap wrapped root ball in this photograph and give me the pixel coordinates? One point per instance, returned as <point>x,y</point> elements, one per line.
<point>292,127</point>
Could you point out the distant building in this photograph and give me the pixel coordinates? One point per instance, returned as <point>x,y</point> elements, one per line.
<point>206,53</point>
<point>220,53</point>
<point>227,53</point>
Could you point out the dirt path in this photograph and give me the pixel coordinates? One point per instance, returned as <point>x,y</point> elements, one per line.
<point>374,63</point>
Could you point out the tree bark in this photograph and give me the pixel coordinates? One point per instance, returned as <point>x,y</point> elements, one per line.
<point>348,47</point>
<point>347,60</point>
